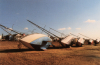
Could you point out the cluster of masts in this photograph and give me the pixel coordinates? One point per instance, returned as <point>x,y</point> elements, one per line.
<point>67,41</point>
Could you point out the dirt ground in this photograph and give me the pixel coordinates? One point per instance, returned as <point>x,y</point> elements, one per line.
<point>11,55</point>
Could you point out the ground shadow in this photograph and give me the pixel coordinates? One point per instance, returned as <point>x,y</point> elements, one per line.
<point>76,46</point>
<point>23,50</point>
<point>15,50</point>
<point>60,47</point>
<point>56,47</point>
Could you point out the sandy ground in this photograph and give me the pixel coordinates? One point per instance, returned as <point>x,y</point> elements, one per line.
<point>11,55</point>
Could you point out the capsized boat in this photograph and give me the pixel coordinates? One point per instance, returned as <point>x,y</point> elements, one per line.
<point>36,41</point>
<point>67,40</point>
<point>80,42</point>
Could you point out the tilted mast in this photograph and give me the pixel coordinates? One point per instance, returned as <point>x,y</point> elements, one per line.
<point>86,36</point>
<point>6,31</point>
<point>9,29</point>
<point>74,35</point>
<point>43,29</point>
<point>58,32</point>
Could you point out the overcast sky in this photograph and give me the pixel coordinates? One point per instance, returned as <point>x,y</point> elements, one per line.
<point>66,16</point>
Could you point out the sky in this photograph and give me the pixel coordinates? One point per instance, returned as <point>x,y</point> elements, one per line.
<point>65,16</point>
